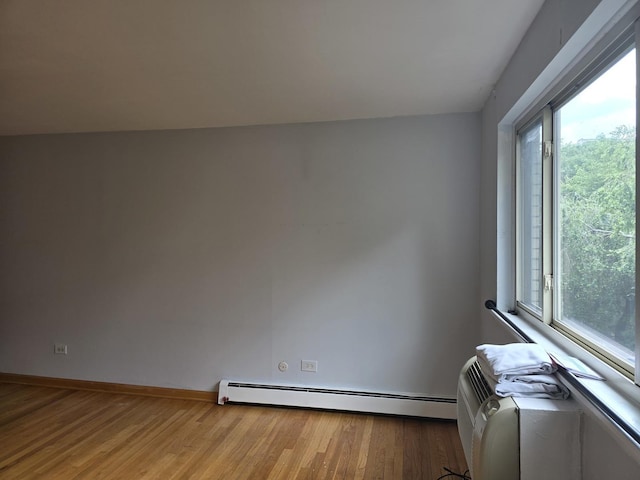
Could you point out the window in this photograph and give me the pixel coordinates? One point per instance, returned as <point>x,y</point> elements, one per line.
<point>530,210</point>
<point>576,215</point>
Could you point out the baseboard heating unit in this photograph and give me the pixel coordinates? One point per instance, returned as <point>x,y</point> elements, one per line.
<point>330,399</point>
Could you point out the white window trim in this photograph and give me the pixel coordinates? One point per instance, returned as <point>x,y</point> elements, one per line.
<point>620,394</point>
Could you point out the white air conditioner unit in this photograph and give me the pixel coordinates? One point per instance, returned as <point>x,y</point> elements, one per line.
<point>516,438</point>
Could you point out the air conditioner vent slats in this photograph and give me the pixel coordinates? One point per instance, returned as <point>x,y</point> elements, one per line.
<point>480,386</point>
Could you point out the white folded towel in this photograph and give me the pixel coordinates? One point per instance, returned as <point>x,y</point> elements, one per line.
<point>504,362</point>
<point>532,386</point>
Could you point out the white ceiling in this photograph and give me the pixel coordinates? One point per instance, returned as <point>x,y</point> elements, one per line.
<point>105,65</point>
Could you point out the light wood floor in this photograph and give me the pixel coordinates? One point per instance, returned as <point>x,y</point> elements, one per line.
<point>51,433</point>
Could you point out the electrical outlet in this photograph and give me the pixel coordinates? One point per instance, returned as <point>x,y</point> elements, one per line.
<point>60,349</point>
<point>309,365</point>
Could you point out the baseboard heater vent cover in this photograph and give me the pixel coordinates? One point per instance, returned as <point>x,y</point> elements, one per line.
<point>332,399</point>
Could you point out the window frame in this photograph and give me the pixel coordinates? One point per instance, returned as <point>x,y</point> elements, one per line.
<point>602,61</point>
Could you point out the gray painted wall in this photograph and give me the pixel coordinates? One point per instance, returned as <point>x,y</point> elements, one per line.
<point>561,31</point>
<point>177,258</point>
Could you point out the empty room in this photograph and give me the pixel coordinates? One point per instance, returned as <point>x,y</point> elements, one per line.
<point>281,239</point>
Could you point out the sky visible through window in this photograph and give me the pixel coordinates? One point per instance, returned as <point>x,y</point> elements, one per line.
<point>609,102</point>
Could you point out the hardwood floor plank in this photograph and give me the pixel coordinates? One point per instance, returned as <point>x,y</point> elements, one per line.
<point>363,455</point>
<point>64,434</point>
<point>17,406</point>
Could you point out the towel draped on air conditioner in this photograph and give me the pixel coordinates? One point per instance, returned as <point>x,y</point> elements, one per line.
<point>521,370</point>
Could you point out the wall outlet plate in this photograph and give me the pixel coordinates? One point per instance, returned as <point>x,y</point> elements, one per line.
<point>60,349</point>
<point>309,365</point>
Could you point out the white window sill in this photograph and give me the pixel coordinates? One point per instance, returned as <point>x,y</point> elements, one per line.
<point>619,393</point>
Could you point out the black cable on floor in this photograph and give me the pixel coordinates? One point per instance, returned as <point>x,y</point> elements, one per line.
<point>451,473</point>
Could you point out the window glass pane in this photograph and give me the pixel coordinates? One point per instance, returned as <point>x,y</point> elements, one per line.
<point>530,217</point>
<point>595,211</point>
